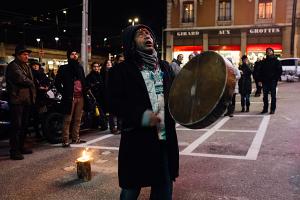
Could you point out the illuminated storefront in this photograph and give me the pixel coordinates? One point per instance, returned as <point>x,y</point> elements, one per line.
<point>230,43</point>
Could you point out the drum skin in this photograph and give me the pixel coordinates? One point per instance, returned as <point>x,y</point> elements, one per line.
<point>202,90</point>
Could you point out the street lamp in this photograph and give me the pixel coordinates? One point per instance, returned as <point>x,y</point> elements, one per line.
<point>56,40</point>
<point>38,41</point>
<point>133,21</point>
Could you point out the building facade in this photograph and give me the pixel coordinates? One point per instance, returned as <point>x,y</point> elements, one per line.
<point>232,28</point>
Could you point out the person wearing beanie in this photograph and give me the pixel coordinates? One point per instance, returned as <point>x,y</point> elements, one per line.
<point>21,96</point>
<point>269,74</point>
<point>138,95</point>
<point>70,83</point>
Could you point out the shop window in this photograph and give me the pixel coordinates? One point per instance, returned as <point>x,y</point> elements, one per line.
<point>224,10</point>
<point>265,8</point>
<point>188,12</point>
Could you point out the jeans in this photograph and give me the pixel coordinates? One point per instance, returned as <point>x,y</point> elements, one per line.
<point>245,100</point>
<point>267,88</point>
<point>160,191</point>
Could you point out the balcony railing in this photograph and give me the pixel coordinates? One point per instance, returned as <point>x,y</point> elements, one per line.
<point>187,20</point>
<point>224,18</point>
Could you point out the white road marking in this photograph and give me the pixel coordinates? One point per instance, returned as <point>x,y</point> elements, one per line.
<point>214,156</point>
<point>257,141</point>
<point>92,141</point>
<point>188,129</point>
<point>252,153</point>
<point>105,152</point>
<point>201,139</point>
<point>237,131</point>
<point>287,118</point>
<point>98,147</point>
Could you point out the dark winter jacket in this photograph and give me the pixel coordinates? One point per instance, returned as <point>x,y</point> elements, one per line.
<point>256,70</point>
<point>20,85</point>
<point>245,82</point>
<point>64,82</point>
<point>95,83</point>
<point>271,69</point>
<point>139,152</point>
<point>40,79</point>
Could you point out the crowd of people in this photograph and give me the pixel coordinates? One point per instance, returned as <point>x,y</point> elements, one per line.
<point>266,74</point>
<point>27,86</point>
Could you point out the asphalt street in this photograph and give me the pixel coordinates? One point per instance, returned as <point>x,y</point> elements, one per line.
<point>247,157</point>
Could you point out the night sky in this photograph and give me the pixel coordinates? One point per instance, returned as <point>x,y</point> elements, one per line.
<point>108,19</point>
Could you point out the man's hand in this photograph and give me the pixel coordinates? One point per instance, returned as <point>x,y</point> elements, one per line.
<point>154,119</point>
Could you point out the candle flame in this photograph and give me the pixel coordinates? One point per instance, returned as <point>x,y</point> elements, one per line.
<point>85,156</point>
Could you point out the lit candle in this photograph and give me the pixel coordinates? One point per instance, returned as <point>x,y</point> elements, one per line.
<point>84,166</point>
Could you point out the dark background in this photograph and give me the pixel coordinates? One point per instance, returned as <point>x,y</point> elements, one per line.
<point>24,21</point>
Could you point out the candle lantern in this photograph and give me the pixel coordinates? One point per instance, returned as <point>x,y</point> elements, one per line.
<point>84,166</point>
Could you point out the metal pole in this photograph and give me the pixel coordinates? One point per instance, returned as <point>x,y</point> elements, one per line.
<point>84,37</point>
<point>293,28</point>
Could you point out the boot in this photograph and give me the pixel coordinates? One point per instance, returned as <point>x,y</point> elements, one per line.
<point>243,109</point>
<point>16,155</point>
<point>247,109</point>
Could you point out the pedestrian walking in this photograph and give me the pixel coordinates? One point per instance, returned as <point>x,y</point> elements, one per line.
<point>21,96</point>
<point>70,83</point>
<point>245,84</point>
<point>270,72</point>
<point>139,89</point>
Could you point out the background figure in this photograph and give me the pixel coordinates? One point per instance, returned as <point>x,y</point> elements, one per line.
<point>269,75</point>
<point>42,83</point>
<point>231,106</point>
<point>114,126</point>
<point>119,58</point>
<point>256,70</point>
<point>245,84</point>
<point>70,83</point>
<point>21,95</point>
<point>139,89</point>
<point>176,63</point>
<point>192,55</point>
<point>95,83</point>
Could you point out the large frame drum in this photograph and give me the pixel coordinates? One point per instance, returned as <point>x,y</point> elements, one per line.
<point>202,90</point>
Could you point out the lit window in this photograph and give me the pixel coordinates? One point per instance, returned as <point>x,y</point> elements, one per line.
<point>224,10</point>
<point>188,12</point>
<point>265,8</point>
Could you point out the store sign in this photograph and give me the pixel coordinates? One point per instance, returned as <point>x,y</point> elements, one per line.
<point>187,33</point>
<point>224,32</point>
<point>264,30</point>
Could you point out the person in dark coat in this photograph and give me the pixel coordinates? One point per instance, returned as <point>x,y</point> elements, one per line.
<point>138,94</point>
<point>112,119</point>
<point>95,83</point>
<point>21,96</point>
<point>270,72</point>
<point>70,83</point>
<point>42,84</point>
<point>255,74</point>
<point>245,84</point>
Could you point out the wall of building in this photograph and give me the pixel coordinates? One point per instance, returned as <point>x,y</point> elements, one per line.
<point>206,14</point>
<point>244,12</point>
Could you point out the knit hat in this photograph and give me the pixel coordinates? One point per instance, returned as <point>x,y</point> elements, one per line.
<point>70,50</point>
<point>269,48</point>
<point>20,48</point>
